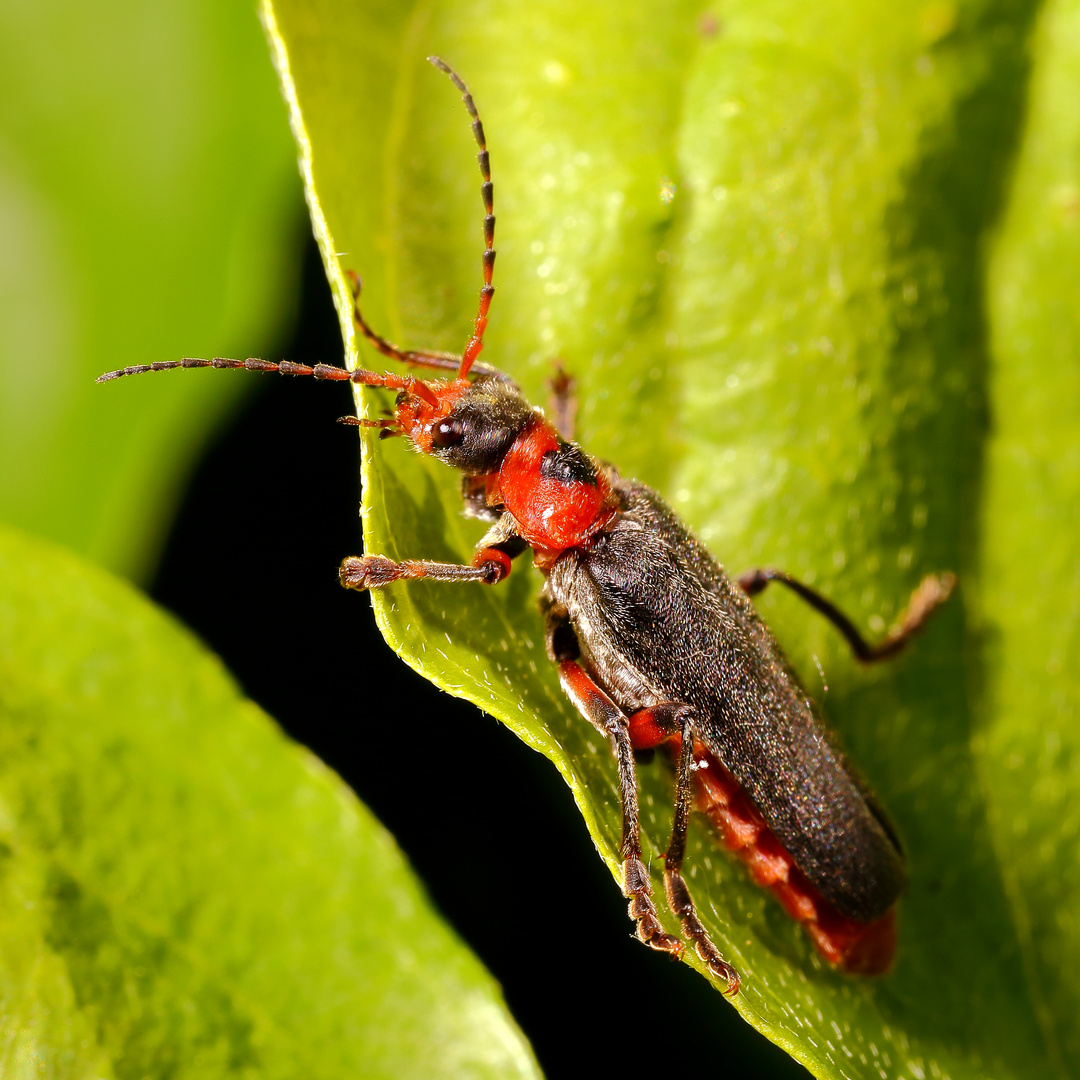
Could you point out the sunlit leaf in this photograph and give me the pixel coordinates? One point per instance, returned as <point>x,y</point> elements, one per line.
<point>758,236</point>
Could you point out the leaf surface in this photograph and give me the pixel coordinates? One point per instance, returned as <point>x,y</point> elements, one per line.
<point>149,209</point>
<point>187,893</point>
<point>805,262</point>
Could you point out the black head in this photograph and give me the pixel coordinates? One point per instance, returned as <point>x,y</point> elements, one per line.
<point>481,427</point>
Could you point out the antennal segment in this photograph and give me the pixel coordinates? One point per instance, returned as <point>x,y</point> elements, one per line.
<point>476,342</point>
<point>387,379</point>
<point>440,361</point>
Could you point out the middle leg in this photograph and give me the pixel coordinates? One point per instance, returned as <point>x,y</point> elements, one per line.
<point>610,720</point>
<point>671,722</point>
<point>678,894</point>
<point>645,729</point>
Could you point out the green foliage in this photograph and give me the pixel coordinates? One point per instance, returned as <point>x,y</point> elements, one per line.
<point>182,891</point>
<point>813,266</point>
<point>149,209</point>
<point>186,893</point>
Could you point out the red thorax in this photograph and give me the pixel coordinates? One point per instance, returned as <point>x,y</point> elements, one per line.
<point>553,515</point>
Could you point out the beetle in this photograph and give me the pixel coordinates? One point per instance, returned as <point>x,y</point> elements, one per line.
<point>656,645</point>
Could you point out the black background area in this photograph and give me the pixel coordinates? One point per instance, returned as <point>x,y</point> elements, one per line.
<point>251,566</point>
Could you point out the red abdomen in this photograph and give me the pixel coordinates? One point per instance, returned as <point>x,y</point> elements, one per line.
<point>856,947</point>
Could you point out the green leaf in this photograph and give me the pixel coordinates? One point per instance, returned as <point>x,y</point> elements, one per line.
<point>185,892</point>
<point>758,235</point>
<point>1027,743</point>
<point>149,209</point>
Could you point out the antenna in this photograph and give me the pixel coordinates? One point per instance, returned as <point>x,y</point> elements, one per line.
<point>319,371</point>
<point>414,357</point>
<point>476,342</point>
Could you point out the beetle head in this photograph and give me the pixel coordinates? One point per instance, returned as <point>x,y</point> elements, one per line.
<point>470,426</point>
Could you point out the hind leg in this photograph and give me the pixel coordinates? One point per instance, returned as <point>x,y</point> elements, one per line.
<point>931,593</point>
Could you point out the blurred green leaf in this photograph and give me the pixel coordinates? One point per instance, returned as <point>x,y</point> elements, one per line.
<point>760,235</point>
<point>1027,742</point>
<point>149,209</point>
<point>187,893</point>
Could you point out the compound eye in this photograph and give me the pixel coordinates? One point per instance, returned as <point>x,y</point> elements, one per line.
<point>447,433</point>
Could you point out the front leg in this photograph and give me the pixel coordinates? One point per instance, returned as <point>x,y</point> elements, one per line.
<point>375,571</point>
<point>490,564</point>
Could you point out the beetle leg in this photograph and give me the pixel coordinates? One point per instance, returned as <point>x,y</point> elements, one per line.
<point>610,721</point>
<point>678,895</point>
<point>931,593</point>
<point>560,641</point>
<point>475,496</point>
<point>375,571</point>
<point>490,564</point>
<point>564,402</point>
<point>649,728</point>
